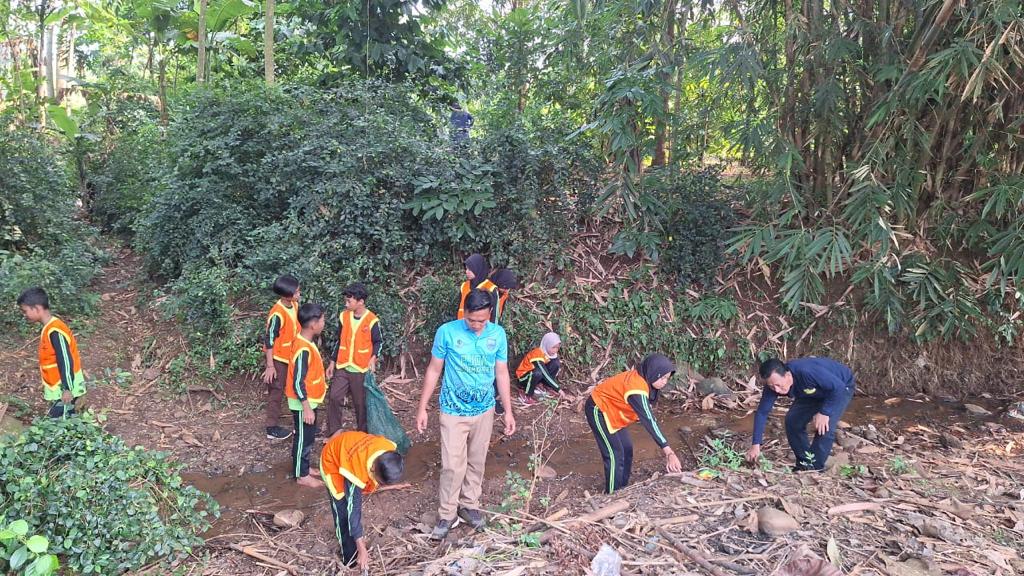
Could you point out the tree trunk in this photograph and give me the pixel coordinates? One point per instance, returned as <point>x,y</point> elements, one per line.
<point>69,68</point>
<point>41,52</point>
<point>149,55</point>
<point>268,43</point>
<point>201,43</point>
<point>52,68</point>
<point>668,38</point>
<point>162,90</point>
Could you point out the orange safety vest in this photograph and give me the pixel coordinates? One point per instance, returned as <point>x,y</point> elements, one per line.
<point>355,343</point>
<point>486,286</point>
<point>526,366</point>
<point>611,397</point>
<point>316,383</point>
<point>48,361</point>
<point>289,330</point>
<point>350,456</point>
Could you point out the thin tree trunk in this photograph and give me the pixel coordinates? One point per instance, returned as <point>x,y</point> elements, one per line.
<point>52,67</point>
<point>162,92</point>
<point>668,38</point>
<point>268,43</point>
<point>201,43</point>
<point>41,52</point>
<point>70,68</point>
<point>149,55</point>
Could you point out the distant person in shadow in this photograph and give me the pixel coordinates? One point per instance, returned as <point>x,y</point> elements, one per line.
<point>461,121</point>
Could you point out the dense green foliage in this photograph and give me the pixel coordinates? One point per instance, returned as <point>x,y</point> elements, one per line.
<point>351,184</point>
<point>105,508</point>
<point>42,241</point>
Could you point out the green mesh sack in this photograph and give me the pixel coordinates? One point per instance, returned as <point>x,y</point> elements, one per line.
<point>380,419</point>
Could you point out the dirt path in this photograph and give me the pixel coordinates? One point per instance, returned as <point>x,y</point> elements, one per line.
<point>215,430</point>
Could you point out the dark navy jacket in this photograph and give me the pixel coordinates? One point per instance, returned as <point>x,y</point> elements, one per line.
<point>821,379</point>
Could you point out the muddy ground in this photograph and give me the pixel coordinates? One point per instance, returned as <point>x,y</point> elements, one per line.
<point>216,431</point>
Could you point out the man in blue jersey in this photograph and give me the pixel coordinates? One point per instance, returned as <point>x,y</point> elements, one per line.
<point>821,389</point>
<point>471,354</point>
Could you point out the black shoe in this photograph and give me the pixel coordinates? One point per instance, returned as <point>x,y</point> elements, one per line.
<point>473,517</point>
<point>443,528</point>
<point>499,408</point>
<point>278,433</point>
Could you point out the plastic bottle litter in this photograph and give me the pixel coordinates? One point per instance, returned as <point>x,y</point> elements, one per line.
<point>607,562</point>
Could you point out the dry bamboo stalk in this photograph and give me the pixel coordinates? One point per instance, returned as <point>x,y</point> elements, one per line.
<point>253,553</point>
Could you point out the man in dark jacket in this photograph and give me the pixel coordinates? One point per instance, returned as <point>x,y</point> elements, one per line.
<point>461,122</point>
<point>821,389</point>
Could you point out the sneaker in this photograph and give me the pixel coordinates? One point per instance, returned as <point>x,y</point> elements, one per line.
<point>443,528</point>
<point>499,409</point>
<point>526,400</point>
<point>541,393</point>
<point>278,433</point>
<point>473,517</point>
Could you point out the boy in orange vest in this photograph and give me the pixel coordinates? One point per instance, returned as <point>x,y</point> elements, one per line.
<point>354,464</point>
<point>306,390</point>
<point>359,343</point>
<point>59,363</point>
<point>282,327</point>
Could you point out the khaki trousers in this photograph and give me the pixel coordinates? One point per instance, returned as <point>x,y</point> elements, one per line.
<point>464,444</point>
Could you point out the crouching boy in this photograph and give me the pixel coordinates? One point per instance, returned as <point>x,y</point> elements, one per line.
<point>354,464</point>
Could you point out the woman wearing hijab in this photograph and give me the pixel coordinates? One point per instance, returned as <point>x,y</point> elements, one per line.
<point>539,368</point>
<point>477,270</point>
<point>506,281</point>
<point>620,401</point>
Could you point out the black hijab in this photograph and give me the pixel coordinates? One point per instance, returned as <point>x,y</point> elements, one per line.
<point>505,279</point>
<point>652,369</point>
<point>477,264</point>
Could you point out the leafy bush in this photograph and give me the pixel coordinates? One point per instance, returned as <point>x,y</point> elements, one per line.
<point>128,177</point>
<point>198,299</point>
<point>38,203</point>
<point>105,508</point>
<point>697,220</point>
<point>344,185</point>
<point>41,242</point>
<point>23,554</point>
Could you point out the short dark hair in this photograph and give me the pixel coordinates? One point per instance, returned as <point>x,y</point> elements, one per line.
<point>389,467</point>
<point>772,366</point>
<point>309,313</point>
<point>478,300</point>
<point>285,286</point>
<point>357,290</point>
<point>34,296</point>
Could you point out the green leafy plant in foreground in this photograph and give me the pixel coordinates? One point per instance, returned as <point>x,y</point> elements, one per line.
<point>102,507</point>
<point>23,554</point>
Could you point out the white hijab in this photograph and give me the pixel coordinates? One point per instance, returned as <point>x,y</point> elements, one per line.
<point>549,341</point>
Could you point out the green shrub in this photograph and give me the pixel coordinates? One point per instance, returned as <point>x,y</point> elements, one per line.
<point>63,272</point>
<point>41,241</point>
<point>697,220</point>
<point>198,299</point>
<point>24,554</point>
<point>105,508</point>
<point>128,177</point>
<point>38,202</point>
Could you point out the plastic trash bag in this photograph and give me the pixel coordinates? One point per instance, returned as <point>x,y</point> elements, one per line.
<point>380,420</point>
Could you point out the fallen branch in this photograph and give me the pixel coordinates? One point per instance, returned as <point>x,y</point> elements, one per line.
<point>253,553</point>
<point>691,554</point>
<point>606,511</point>
<point>853,508</point>
<point>729,501</point>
